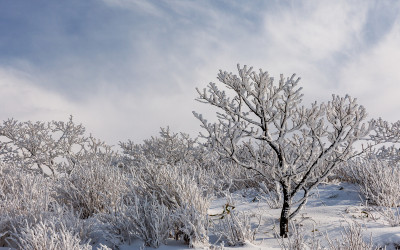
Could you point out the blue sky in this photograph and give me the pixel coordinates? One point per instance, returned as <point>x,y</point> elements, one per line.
<point>124,68</point>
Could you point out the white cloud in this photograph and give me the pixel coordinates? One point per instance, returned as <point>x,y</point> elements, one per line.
<point>374,76</point>
<point>314,30</point>
<point>137,5</point>
<point>21,99</point>
<point>172,47</point>
<point>110,115</point>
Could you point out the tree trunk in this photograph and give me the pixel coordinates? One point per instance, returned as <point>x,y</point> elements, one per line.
<point>285,213</point>
<point>284,221</point>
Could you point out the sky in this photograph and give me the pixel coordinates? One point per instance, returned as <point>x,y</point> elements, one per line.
<point>125,68</point>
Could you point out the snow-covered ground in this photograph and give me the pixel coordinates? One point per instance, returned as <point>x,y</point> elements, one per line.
<point>331,208</point>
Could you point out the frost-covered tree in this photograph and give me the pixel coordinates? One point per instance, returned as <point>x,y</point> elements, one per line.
<point>389,133</point>
<point>386,131</point>
<point>263,126</point>
<point>169,148</point>
<point>40,146</point>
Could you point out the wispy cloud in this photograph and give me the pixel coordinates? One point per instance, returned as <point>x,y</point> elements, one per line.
<point>125,67</point>
<point>374,76</point>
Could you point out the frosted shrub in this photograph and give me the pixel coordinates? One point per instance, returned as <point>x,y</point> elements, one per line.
<point>93,184</point>
<point>391,215</point>
<point>87,229</point>
<point>162,201</point>
<point>352,238</point>
<point>195,159</point>
<point>178,190</point>
<point>150,220</point>
<point>39,146</point>
<point>231,177</point>
<point>169,148</point>
<point>379,181</point>
<point>171,185</point>
<point>140,217</point>
<point>378,178</point>
<point>236,228</point>
<point>24,196</point>
<point>299,240</point>
<point>191,225</point>
<point>390,154</point>
<point>23,192</point>
<point>49,236</point>
<point>90,189</point>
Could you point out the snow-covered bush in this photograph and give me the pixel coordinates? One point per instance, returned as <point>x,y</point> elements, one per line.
<point>179,149</point>
<point>299,240</point>
<point>142,217</point>
<point>179,191</point>
<point>172,185</point>
<point>183,189</point>
<point>47,235</point>
<point>190,224</point>
<point>390,214</point>
<point>39,146</point>
<point>236,228</point>
<point>27,199</point>
<point>24,196</point>
<point>93,185</point>
<point>379,181</point>
<point>170,148</point>
<point>163,205</point>
<point>390,154</point>
<point>352,238</point>
<point>202,163</point>
<point>22,192</point>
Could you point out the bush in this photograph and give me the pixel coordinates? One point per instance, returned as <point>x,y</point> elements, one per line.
<point>24,196</point>
<point>236,228</point>
<point>191,225</point>
<point>140,217</point>
<point>47,235</point>
<point>93,185</point>
<point>298,240</point>
<point>379,181</point>
<point>177,189</point>
<point>170,148</point>
<point>41,147</point>
<point>352,238</point>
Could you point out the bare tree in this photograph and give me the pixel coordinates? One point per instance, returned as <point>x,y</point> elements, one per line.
<point>263,126</point>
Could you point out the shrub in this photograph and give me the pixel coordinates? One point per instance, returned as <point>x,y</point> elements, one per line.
<point>24,196</point>
<point>140,217</point>
<point>352,238</point>
<point>47,235</point>
<point>176,188</point>
<point>93,185</point>
<point>379,181</point>
<point>298,240</point>
<point>236,228</point>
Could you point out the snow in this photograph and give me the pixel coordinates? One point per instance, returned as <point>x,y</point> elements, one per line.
<point>331,208</point>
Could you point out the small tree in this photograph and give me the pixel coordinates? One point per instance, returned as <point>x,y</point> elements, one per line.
<point>40,146</point>
<point>169,148</point>
<point>262,126</point>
